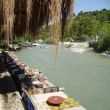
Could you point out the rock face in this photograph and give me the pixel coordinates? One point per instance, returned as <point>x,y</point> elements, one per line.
<point>40,15</point>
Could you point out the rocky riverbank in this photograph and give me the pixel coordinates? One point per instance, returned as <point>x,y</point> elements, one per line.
<point>106,53</point>
<point>77,47</point>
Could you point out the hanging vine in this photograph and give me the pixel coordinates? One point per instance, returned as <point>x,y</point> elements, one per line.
<point>58,10</point>
<point>29,11</point>
<point>8,17</point>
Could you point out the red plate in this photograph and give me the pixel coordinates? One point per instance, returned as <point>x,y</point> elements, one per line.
<point>55,100</point>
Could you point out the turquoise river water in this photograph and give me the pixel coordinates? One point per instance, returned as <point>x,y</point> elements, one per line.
<point>85,77</point>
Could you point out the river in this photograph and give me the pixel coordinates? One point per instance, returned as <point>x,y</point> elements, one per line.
<point>85,77</point>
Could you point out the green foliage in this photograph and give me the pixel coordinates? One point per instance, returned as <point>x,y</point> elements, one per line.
<point>25,38</point>
<point>92,23</point>
<point>44,34</point>
<point>28,38</point>
<point>103,44</point>
<point>87,25</point>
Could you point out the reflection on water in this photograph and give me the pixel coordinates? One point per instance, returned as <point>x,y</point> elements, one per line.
<point>85,77</point>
